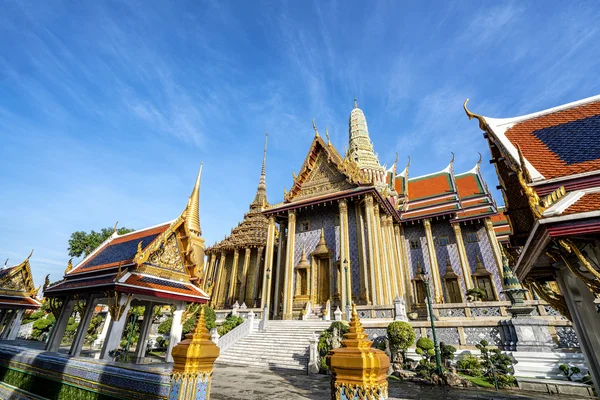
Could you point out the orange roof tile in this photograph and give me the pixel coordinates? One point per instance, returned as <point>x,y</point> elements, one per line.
<point>468,185</point>
<point>163,284</point>
<point>429,186</point>
<point>539,154</point>
<point>589,202</point>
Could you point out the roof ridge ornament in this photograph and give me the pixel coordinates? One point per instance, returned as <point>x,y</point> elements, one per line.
<point>355,103</point>
<point>192,215</point>
<point>315,128</point>
<point>5,263</point>
<point>29,256</point>
<point>480,158</point>
<point>115,227</point>
<point>482,122</point>
<point>327,135</point>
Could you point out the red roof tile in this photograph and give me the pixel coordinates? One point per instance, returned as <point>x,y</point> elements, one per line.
<point>429,186</point>
<point>545,160</point>
<point>468,185</point>
<point>19,302</point>
<point>589,202</point>
<point>163,284</point>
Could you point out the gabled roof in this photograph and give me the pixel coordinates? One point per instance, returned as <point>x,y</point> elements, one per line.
<point>335,173</point>
<point>119,250</point>
<point>475,198</point>
<point>16,286</point>
<point>501,225</point>
<point>559,142</point>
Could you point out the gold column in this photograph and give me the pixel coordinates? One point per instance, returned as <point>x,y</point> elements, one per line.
<point>398,258</point>
<point>234,277</point>
<point>345,254</point>
<point>266,286</point>
<point>288,286</point>
<point>435,271</point>
<point>209,274</point>
<point>278,272</point>
<point>373,261</point>
<point>462,255</point>
<point>393,259</point>
<point>489,228</point>
<point>253,298</point>
<point>407,268</point>
<point>381,252</point>
<point>242,294</point>
<point>222,279</point>
<point>362,255</point>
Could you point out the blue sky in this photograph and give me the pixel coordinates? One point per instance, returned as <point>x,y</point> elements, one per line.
<point>107,108</point>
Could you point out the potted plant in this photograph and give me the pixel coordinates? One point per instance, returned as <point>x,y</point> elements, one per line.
<point>476,294</point>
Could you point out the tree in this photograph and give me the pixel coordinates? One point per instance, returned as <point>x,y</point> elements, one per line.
<point>82,243</point>
<point>401,336</point>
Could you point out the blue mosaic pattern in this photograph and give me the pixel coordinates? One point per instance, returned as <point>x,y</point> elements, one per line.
<point>483,248</point>
<point>574,142</point>
<point>118,252</point>
<point>353,242</point>
<point>96,375</point>
<point>443,253</point>
<point>416,232</point>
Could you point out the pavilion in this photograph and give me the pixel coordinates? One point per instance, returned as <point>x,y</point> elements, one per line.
<point>158,265</point>
<point>548,165</point>
<point>17,295</point>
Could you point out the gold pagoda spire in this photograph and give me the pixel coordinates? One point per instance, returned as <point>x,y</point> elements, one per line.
<point>192,217</point>
<point>261,191</point>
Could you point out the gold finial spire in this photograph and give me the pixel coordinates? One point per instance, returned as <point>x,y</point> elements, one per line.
<point>327,135</point>
<point>315,128</point>
<point>355,103</point>
<point>192,217</point>
<point>261,191</point>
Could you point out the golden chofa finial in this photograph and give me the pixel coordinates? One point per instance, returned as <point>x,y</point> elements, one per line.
<point>29,256</point>
<point>480,158</point>
<point>315,128</point>
<point>115,227</point>
<point>452,161</point>
<point>46,282</point>
<point>69,266</point>
<point>6,263</point>
<point>294,175</point>
<point>482,122</point>
<point>327,135</point>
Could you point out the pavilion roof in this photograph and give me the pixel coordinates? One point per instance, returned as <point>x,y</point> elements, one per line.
<point>16,286</point>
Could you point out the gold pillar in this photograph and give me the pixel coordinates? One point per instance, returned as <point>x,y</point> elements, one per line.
<point>234,277</point>
<point>406,268</point>
<point>393,264</point>
<point>435,271</point>
<point>288,285</point>
<point>242,294</point>
<point>253,298</point>
<point>193,364</point>
<point>358,370</point>
<point>373,261</point>
<point>489,228</point>
<point>398,258</point>
<point>462,255</point>
<point>211,271</point>
<point>266,286</point>
<point>345,254</point>
<point>278,272</point>
<point>222,279</point>
<point>381,252</point>
<point>362,255</point>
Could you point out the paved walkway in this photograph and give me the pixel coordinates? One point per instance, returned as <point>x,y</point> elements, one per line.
<point>245,383</point>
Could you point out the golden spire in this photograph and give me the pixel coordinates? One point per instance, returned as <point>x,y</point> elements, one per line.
<point>327,135</point>
<point>315,128</point>
<point>192,216</point>
<point>261,191</point>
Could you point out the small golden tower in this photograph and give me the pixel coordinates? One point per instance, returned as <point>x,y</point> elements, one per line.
<point>358,371</point>
<point>194,359</point>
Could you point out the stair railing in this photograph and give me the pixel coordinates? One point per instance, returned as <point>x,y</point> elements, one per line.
<point>237,333</point>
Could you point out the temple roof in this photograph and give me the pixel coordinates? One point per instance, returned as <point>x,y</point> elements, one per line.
<point>16,286</point>
<point>559,142</point>
<point>501,225</point>
<point>168,252</point>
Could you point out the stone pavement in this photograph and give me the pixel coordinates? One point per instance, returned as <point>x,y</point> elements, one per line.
<point>230,382</point>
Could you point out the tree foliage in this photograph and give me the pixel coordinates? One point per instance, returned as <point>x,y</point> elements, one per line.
<point>83,243</point>
<point>401,336</point>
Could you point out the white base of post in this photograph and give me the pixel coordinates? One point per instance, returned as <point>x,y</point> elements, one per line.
<point>16,326</point>
<point>175,336</point>
<point>113,337</point>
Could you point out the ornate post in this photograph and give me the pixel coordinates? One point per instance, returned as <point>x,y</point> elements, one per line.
<point>266,286</point>
<point>462,255</point>
<point>193,364</point>
<point>435,272</point>
<point>489,228</point>
<point>233,279</point>
<point>242,294</point>
<point>398,258</point>
<point>362,255</point>
<point>391,253</point>
<point>357,370</point>
<point>211,271</point>
<point>371,243</point>
<point>345,254</point>
<point>406,269</point>
<point>254,293</point>
<point>288,284</point>
<point>220,298</point>
<point>381,253</point>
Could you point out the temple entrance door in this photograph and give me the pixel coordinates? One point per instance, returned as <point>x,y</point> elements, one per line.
<point>323,281</point>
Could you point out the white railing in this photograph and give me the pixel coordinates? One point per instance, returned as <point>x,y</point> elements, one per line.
<point>239,332</point>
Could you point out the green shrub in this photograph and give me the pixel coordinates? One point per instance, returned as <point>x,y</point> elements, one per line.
<point>342,327</point>
<point>469,365</point>
<point>325,344</point>
<point>230,323</point>
<point>401,336</point>
<point>477,293</point>
<point>165,327</point>
<point>569,371</point>
<point>497,366</point>
<point>447,352</point>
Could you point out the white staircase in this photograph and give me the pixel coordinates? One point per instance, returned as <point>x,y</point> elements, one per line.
<point>283,345</point>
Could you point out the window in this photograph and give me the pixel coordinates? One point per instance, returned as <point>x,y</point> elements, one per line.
<point>485,283</point>
<point>304,226</point>
<point>337,220</point>
<point>472,237</point>
<point>443,240</point>
<point>453,291</point>
<point>415,244</point>
<point>420,291</point>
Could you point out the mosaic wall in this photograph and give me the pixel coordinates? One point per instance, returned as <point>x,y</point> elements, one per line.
<point>567,338</point>
<point>490,333</point>
<point>445,253</point>
<point>483,248</point>
<point>416,232</point>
